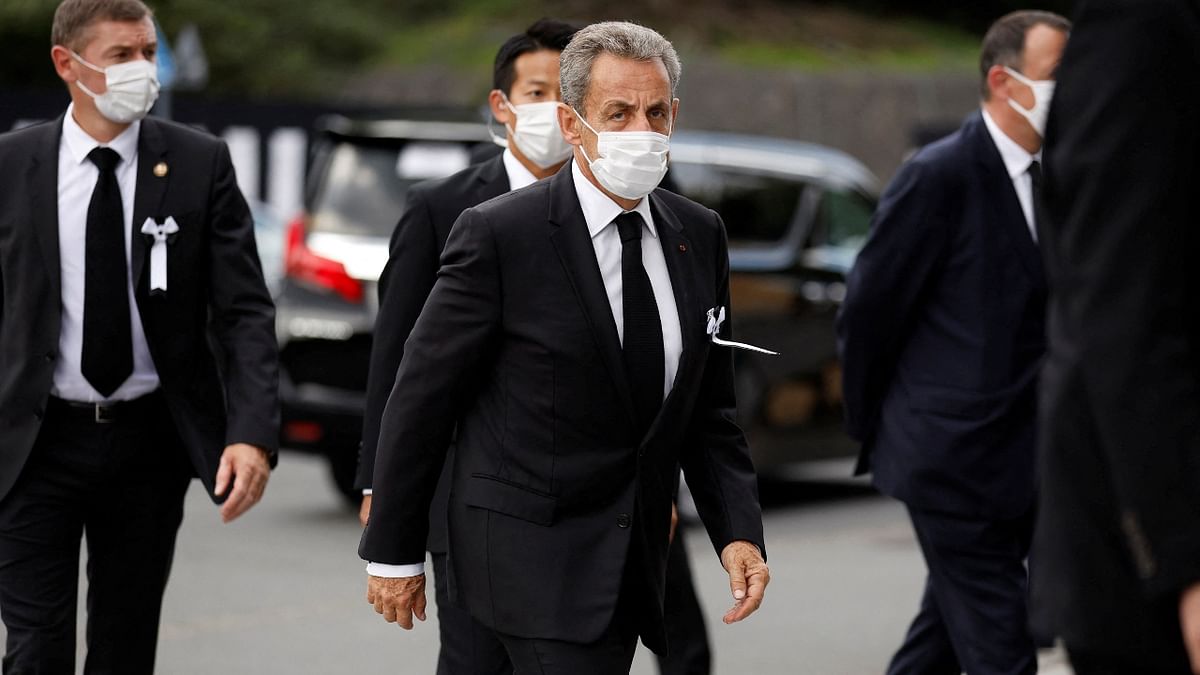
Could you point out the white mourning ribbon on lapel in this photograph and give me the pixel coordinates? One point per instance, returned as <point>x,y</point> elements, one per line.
<point>716,317</point>
<point>161,234</point>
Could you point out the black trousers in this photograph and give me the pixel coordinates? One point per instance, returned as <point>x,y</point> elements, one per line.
<point>1091,663</point>
<point>973,616</point>
<point>470,648</point>
<point>122,485</point>
<point>687,637</point>
<point>467,646</point>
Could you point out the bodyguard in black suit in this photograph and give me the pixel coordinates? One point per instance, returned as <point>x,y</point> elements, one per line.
<point>569,444</point>
<point>941,338</point>
<point>1117,543</point>
<point>525,72</point>
<point>125,248</point>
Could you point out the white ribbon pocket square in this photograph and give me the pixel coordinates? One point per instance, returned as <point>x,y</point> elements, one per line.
<point>161,234</point>
<point>716,317</point>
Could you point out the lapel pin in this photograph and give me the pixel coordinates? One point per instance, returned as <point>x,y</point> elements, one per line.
<point>161,169</point>
<point>683,248</point>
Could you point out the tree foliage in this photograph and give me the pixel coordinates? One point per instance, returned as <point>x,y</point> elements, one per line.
<point>271,48</point>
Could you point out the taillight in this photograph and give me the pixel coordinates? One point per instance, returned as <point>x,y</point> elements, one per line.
<point>303,265</point>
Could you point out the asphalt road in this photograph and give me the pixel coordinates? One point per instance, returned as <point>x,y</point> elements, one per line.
<point>283,591</point>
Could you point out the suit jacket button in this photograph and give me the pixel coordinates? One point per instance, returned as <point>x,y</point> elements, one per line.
<point>623,520</point>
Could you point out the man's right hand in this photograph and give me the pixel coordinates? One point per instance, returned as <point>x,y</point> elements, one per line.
<point>398,599</point>
<point>364,511</point>
<point>1189,619</point>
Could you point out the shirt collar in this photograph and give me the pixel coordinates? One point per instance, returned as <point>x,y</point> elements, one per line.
<point>518,175</point>
<point>79,143</point>
<point>1016,159</point>
<point>599,210</point>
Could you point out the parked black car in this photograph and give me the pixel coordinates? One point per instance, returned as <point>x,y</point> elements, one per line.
<point>796,214</point>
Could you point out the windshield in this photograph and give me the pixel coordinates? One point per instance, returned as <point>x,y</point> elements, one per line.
<point>365,186</point>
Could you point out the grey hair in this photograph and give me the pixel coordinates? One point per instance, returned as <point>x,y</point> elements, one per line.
<point>619,38</point>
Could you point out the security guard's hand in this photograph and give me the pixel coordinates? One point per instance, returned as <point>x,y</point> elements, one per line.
<point>364,511</point>
<point>1189,620</point>
<point>398,599</point>
<point>748,578</point>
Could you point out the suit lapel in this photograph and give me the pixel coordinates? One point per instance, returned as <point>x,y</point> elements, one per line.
<point>149,192</point>
<point>491,180</point>
<point>43,191</point>
<point>1009,213</point>
<point>574,247</point>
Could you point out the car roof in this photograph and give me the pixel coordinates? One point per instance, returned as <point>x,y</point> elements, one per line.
<point>444,128</point>
<point>774,155</point>
<point>763,153</point>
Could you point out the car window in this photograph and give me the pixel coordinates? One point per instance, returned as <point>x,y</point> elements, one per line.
<point>365,186</point>
<point>843,219</point>
<point>757,208</point>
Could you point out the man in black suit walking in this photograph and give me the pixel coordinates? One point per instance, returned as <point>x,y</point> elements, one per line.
<point>124,247</point>
<point>566,335</point>
<point>941,336</point>
<point>1117,542</point>
<point>525,100</point>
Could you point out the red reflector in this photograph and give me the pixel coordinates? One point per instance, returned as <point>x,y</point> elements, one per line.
<point>302,432</point>
<point>304,265</point>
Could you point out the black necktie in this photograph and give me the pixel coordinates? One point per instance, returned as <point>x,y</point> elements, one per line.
<point>107,340</point>
<point>1039,212</point>
<point>643,338</point>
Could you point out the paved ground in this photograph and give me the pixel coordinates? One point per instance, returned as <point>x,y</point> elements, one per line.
<point>282,591</point>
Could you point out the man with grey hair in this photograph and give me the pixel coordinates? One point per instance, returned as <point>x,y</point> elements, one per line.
<point>573,335</point>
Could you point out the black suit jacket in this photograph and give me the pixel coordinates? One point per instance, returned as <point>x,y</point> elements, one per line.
<point>211,336</point>
<point>404,285</point>
<point>942,333</point>
<point>550,483</point>
<point>1118,533</point>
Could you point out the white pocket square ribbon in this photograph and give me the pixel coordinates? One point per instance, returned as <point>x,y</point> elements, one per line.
<point>716,317</point>
<point>158,251</point>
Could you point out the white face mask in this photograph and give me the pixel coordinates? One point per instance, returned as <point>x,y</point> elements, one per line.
<point>630,163</point>
<point>1043,92</point>
<point>537,133</point>
<point>131,89</point>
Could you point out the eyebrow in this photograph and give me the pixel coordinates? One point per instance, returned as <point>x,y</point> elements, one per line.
<point>131,47</point>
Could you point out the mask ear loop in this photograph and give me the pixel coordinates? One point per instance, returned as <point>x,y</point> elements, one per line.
<point>499,140</point>
<point>582,121</point>
<point>78,82</point>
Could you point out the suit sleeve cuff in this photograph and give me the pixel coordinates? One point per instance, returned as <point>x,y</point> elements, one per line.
<point>395,571</point>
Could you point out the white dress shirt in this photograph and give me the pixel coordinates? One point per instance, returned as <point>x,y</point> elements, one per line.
<point>518,175</point>
<point>599,212</point>
<point>1016,162</point>
<point>77,177</point>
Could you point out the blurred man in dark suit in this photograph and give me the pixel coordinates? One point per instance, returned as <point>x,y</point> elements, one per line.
<point>524,99</point>
<point>1117,545</point>
<point>137,349</point>
<point>942,336</point>
<point>566,336</point>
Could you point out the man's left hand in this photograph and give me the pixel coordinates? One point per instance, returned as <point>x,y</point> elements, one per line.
<point>748,578</point>
<point>243,472</point>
